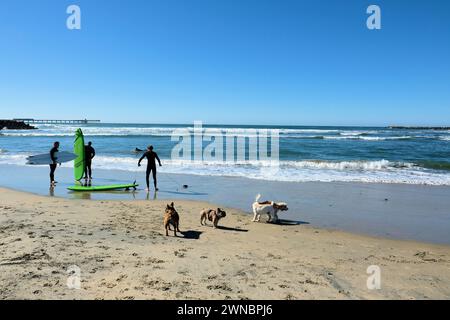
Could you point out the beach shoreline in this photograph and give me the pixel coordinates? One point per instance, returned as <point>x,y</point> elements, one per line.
<point>122,253</point>
<point>398,211</point>
<point>318,133</point>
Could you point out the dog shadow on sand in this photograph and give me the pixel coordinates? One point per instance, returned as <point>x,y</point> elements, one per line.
<point>231,229</point>
<point>284,222</point>
<point>191,234</point>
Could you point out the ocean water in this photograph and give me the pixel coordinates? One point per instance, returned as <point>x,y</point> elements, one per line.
<point>357,154</point>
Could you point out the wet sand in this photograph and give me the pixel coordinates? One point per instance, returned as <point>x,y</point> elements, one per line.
<point>122,253</point>
<point>398,211</point>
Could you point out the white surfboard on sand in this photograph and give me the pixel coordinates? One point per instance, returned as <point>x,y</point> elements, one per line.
<point>41,159</point>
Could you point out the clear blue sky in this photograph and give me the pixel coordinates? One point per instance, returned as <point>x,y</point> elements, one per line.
<point>227,61</point>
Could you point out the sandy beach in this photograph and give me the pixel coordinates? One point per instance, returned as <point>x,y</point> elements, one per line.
<point>122,253</point>
<point>330,118</point>
<point>395,211</point>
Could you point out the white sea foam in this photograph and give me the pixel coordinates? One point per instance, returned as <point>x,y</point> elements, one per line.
<point>21,159</point>
<point>382,171</point>
<point>61,131</point>
<point>13,159</point>
<point>49,130</point>
<point>367,138</point>
<point>358,133</point>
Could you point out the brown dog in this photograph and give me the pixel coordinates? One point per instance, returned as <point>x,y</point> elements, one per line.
<point>171,217</point>
<point>212,215</point>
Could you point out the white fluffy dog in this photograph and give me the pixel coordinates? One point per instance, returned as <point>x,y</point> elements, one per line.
<point>267,207</point>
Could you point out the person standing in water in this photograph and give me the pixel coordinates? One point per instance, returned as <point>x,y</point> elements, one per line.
<point>54,163</point>
<point>151,165</point>
<point>89,154</point>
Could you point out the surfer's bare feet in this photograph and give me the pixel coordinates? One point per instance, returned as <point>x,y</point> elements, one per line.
<point>147,189</point>
<point>156,189</point>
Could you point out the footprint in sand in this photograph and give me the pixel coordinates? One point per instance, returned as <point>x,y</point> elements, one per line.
<point>154,260</point>
<point>220,287</point>
<point>121,277</point>
<point>183,272</point>
<point>178,254</point>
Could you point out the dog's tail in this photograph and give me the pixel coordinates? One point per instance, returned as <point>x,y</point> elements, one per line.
<point>257,198</point>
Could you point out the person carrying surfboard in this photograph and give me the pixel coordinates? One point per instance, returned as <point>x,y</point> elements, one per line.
<point>89,153</point>
<point>151,165</point>
<point>54,163</point>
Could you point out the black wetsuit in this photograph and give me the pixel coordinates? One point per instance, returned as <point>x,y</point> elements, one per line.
<point>89,154</point>
<point>151,166</point>
<point>54,164</point>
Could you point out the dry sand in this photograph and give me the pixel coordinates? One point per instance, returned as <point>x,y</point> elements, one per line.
<point>122,253</point>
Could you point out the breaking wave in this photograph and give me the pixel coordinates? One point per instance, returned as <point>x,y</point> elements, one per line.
<point>381,171</point>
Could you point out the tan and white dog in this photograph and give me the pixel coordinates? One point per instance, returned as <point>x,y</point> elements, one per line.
<point>267,207</point>
<point>212,215</point>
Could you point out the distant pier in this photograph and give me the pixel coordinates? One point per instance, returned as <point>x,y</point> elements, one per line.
<point>44,121</point>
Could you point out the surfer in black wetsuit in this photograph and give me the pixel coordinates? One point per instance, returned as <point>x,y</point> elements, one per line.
<point>89,154</point>
<point>54,163</point>
<point>151,165</point>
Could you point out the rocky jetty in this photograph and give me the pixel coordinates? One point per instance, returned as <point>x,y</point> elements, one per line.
<point>419,128</point>
<point>16,125</point>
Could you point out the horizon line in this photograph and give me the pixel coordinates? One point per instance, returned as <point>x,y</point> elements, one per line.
<point>254,124</point>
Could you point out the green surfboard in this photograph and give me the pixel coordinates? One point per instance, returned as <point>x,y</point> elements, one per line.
<point>80,167</point>
<point>103,188</point>
<point>78,149</point>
